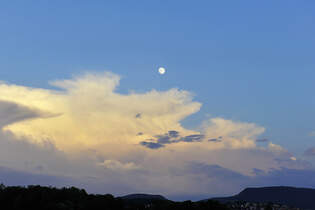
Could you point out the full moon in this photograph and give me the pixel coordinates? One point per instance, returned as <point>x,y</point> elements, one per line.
<point>162,70</point>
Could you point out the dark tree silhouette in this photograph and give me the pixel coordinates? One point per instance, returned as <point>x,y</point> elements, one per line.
<point>50,198</point>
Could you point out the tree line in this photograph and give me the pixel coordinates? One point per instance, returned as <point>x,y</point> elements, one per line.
<point>71,198</point>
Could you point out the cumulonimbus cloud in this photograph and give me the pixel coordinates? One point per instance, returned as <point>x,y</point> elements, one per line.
<point>90,112</point>
<point>138,135</point>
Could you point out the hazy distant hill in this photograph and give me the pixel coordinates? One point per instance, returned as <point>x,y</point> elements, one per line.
<point>143,196</point>
<point>298,197</point>
<point>142,199</point>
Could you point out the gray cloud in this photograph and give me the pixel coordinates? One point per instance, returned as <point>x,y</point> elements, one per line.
<point>192,138</point>
<point>139,115</point>
<point>173,134</point>
<point>287,177</point>
<point>15,177</point>
<point>151,145</point>
<point>20,153</point>
<point>164,139</point>
<point>219,139</point>
<point>219,178</point>
<point>171,137</point>
<point>262,140</point>
<point>216,180</point>
<point>310,152</point>
<point>11,113</point>
<point>216,171</point>
<point>258,171</point>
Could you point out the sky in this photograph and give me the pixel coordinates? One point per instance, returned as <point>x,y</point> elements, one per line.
<point>82,102</point>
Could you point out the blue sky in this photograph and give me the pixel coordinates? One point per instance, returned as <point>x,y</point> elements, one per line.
<point>246,61</point>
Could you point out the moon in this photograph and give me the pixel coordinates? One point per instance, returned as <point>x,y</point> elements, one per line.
<point>162,70</point>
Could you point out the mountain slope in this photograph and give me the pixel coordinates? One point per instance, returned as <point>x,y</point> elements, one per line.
<point>297,197</point>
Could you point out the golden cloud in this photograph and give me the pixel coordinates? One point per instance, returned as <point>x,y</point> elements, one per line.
<point>88,116</point>
<point>88,112</point>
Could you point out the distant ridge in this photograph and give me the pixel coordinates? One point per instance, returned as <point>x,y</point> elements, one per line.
<point>143,197</point>
<point>292,196</point>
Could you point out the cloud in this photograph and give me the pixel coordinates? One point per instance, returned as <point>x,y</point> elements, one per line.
<point>11,113</point>
<point>171,137</point>
<point>193,138</point>
<point>91,100</point>
<point>117,165</point>
<point>310,152</point>
<point>283,176</point>
<point>312,133</point>
<point>276,148</point>
<point>293,158</point>
<point>216,171</point>
<point>262,140</point>
<point>132,142</point>
<point>224,181</point>
<point>19,153</point>
<point>236,135</point>
<point>164,139</point>
<point>16,177</point>
<point>219,139</point>
<point>173,134</point>
<point>151,145</point>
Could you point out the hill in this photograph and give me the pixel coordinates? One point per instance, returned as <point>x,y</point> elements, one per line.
<point>144,199</point>
<point>292,196</point>
<point>143,196</point>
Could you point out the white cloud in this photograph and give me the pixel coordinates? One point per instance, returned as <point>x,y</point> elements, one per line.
<point>117,165</point>
<point>276,148</point>
<point>234,134</point>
